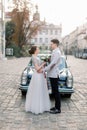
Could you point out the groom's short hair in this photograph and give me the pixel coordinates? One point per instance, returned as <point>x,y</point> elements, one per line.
<point>55,41</point>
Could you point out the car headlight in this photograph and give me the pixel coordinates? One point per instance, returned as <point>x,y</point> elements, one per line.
<point>70,82</point>
<point>24,78</point>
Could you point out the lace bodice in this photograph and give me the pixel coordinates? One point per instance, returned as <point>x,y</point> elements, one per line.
<point>36,60</point>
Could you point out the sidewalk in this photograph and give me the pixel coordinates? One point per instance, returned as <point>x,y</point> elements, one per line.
<point>12,104</point>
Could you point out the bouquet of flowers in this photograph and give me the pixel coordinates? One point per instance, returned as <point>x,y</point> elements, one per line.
<point>46,59</point>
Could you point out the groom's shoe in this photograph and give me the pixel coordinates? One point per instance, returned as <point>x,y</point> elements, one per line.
<point>56,111</point>
<point>53,108</point>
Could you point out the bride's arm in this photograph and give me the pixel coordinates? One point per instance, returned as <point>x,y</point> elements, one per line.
<point>38,68</point>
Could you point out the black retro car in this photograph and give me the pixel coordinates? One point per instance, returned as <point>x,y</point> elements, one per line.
<point>65,80</point>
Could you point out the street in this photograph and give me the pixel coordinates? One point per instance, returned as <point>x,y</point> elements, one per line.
<point>12,111</point>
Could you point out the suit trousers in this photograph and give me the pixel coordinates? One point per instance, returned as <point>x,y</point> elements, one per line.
<point>55,91</point>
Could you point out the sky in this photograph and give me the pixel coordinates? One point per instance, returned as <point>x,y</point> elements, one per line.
<point>69,13</point>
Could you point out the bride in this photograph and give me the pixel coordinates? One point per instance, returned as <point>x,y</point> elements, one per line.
<point>37,97</point>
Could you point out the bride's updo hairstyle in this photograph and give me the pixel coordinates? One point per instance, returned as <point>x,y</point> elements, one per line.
<point>32,50</point>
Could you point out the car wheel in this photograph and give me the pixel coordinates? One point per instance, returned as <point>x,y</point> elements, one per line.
<point>23,93</point>
<point>68,95</point>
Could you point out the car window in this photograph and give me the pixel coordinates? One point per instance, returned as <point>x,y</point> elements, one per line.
<point>62,64</point>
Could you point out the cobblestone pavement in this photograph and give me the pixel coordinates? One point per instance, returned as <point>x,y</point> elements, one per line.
<point>13,115</point>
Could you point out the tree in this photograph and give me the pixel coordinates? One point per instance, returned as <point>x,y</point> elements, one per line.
<point>10,26</point>
<point>25,28</point>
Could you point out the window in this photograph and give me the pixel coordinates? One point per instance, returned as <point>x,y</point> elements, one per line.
<point>40,32</point>
<point>51,32</point>
<point>46,40</point>
<point>40,40</point>
<point>51,38</point>
<point>46,32</point>
<point>59,31</point>
<point>56,32</point>
<point>36,40</point>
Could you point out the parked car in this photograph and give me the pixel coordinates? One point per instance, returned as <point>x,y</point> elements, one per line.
<point>84,55</point>
<point>65,80</point>
<point>45,55</point>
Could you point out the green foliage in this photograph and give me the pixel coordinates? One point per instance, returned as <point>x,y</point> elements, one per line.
<point>10,27</point>
<point>16,50</point>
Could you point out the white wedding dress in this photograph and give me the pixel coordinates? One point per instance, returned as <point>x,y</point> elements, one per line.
<point>37,97</point>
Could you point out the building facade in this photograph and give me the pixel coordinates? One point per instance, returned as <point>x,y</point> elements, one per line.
<point>46,33</point>
<point>76,41</point>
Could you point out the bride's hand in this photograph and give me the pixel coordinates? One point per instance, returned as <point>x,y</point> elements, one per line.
<point>40,71</point>
<point>43,64</point>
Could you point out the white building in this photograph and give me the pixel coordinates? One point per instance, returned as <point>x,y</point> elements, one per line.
<point>76,40</point>
<point>46,33</point>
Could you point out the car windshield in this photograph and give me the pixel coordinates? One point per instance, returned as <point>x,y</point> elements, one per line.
<point>62,64</point>
<point>45,52</point>
<point>30,62</point>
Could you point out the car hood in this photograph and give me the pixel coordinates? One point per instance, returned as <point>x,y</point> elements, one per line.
<point>63,73</point>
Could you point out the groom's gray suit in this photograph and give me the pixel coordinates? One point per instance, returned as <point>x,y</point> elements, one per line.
<point>53,73</point>
<point>52,68</point>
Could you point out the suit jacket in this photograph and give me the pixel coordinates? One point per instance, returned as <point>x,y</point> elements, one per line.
<point>52,69</point>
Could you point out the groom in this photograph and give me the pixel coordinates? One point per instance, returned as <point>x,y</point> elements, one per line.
<point>53,74</point>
